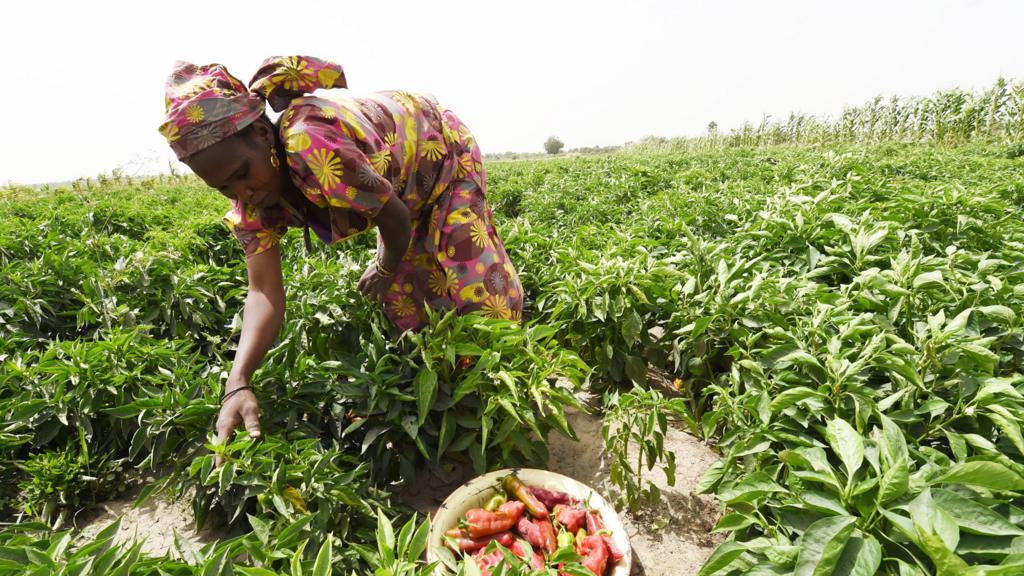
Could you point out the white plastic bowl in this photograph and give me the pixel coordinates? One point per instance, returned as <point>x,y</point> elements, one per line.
<point>476,492</point>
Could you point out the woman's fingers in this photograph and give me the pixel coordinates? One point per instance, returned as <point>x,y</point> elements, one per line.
<point>226,423</point>
<point>251,416</point>
<point>231,415</point>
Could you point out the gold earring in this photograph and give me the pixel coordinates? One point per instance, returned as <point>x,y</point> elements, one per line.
<point>273,157</point>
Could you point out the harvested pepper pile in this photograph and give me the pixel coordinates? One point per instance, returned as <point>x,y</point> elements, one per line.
<point>539,526</point>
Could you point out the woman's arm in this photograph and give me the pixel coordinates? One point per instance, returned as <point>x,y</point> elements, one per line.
<point>262,316</point>
<point>396,231</point>
<point>261,321</point>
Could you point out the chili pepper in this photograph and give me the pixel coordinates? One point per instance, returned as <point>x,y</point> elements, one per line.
<point>594,522</point>
<point>571,518</point>
<point>547,530</point>
<point>551,497</point>
<point>466,361</point>
<point>531,532</point>
<point>513,509</point>
<point>595,554</point>
<point>565,539</point>
<point>519,548</point>
<point>494,502</point>
<point>465,544</point>
<point>613,549</point>
<point>519,490</point>
<point>482,523</point>
<point>487,561</point>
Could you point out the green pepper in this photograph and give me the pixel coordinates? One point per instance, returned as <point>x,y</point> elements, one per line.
<point>564,539</point>
<point>495,502</point>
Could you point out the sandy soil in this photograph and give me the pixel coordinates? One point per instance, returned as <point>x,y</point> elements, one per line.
<point>683,544</point>
<point>154,523</point>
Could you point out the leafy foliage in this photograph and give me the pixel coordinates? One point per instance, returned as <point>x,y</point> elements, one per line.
<point>844,322</point>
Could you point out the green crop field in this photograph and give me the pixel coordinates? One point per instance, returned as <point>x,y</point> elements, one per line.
<point>840,305</point>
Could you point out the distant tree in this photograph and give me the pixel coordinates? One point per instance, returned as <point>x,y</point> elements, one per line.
<point>712,128</point>
<point>553,145</point>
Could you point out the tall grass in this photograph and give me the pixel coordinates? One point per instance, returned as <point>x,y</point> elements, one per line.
<point>947,117</point>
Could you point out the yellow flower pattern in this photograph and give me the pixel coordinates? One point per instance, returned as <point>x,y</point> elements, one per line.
<point>380,161</point>
<point>351,155</point>
<point>403,306</point>
<point>194,113</point>
<point>170,131</point>
<point>496,306</point>
<point>326,166</point>
<point>294,74</point>
<point>479,234</point>
<point>433,150</point>
<point>442,280</point>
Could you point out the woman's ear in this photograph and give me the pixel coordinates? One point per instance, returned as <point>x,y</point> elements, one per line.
<point>263,132</point>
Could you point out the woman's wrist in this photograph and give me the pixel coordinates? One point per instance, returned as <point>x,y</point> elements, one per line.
<point>234,383</point>
<point>229,393</point>
<point>383,268</point>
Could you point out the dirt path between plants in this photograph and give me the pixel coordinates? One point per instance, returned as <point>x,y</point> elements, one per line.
<point>684,543</point>
<point>677,548</point>
<point>154,523</point>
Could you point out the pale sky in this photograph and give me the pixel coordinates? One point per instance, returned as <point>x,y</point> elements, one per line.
<point>82,86</point>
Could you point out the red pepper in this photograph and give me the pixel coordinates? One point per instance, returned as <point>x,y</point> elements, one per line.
<point>520,491</point>
<point>487,561</point>
<point>595,554</point>
<point>464,543</point>
<point>531,532</point>
<point>551,497</point>
<point>549,540</point>
<point>482,523</point>
<point>571,518</point>
<point>514,509</point>
<point>532,556</point>
<point>613,550</point>
<point>594,522</point>
<point>466,361</point>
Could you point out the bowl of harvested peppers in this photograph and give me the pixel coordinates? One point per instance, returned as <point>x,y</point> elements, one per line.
<point>531,517</point>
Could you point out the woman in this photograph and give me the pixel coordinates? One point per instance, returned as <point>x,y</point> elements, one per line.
<point>339,164</point>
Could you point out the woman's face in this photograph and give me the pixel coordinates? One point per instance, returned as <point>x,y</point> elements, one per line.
<point>239,167</point>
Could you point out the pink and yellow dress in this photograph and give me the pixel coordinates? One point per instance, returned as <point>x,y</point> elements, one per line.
<point>347,153</point>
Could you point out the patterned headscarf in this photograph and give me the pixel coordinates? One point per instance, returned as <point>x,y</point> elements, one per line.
<point>206,104</point>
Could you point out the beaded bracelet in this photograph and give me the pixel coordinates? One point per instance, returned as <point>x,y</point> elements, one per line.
<point>228,395</point>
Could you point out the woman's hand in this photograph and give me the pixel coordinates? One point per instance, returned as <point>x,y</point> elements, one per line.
<point>373,285</point>
<point>240,407</point>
